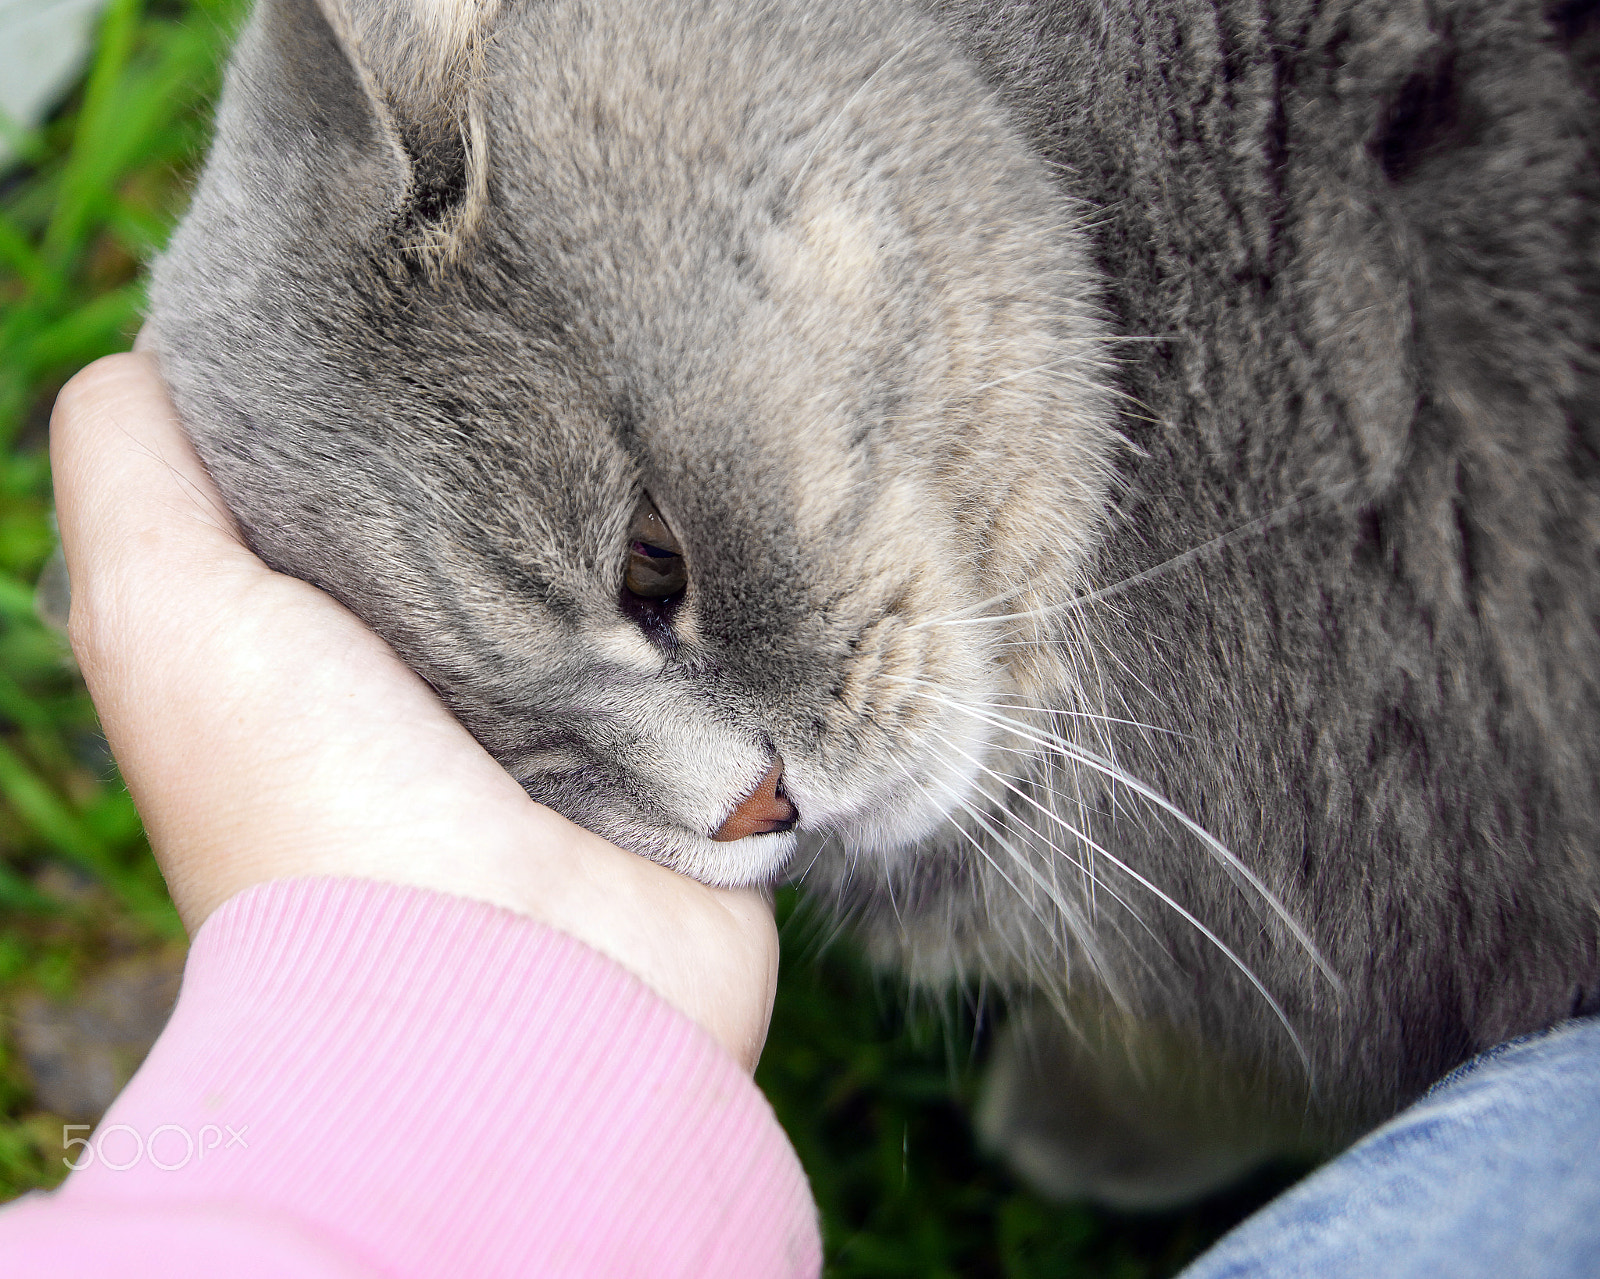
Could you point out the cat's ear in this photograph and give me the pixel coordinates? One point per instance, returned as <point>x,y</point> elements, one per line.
<point>391,85</point>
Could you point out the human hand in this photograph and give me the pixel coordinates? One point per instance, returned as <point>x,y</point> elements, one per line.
<point>266,733</point>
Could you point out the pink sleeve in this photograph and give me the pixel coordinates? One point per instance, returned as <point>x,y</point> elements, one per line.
<point>362,1080</point>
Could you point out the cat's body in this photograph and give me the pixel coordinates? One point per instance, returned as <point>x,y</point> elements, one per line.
<point>935,336</point>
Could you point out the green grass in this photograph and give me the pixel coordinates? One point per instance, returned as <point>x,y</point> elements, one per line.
<point>873,1091</point>
<point>96,195</point>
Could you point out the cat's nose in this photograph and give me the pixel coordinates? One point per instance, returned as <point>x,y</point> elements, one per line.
<point>764,810</point>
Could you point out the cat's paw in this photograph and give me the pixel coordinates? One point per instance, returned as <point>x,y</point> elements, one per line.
<point>1120,1115</point>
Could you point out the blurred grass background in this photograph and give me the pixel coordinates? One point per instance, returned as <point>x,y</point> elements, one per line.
<point>872,1089</point>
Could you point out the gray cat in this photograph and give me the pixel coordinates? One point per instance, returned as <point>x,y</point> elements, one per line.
<point>1105,491</point>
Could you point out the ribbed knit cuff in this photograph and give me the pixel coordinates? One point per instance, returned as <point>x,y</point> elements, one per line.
<point>435,1086</point>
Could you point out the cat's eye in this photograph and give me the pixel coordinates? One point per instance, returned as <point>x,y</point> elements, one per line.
<point>656,570</point>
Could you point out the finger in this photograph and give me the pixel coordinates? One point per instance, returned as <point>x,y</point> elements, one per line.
<point>131,493</point>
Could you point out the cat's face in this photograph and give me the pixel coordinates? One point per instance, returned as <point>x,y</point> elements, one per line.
<point>666,424</point>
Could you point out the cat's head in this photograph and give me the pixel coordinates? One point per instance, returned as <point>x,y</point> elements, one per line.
<point>657,379</point>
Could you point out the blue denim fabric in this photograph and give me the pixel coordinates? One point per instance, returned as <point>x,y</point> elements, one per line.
<point>1495,1174</point>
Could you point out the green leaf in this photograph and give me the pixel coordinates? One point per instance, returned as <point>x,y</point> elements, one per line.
<point>53,820</point>
<point>16,599</point>
<point>18,255</point>
<point>96,124</point>
<point>96,328</point>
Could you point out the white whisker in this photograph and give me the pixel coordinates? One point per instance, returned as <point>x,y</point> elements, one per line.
<point>1111,770</point>
<point>1057,852</point>
<point>1079,926</point>
<point>1187,915</point>
<point>982,851</point>
<point>843,111</point>
<point>1052,892</point>
<point>972,614</point>
<point>1051,368</point>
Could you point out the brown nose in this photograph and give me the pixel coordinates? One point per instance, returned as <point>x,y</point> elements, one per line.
<point>762,811</point>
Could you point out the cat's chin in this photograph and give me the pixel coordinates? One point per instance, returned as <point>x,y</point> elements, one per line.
<point>755,861</point>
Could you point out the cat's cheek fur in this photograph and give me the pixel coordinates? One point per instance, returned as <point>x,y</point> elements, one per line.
<point>882,793</point>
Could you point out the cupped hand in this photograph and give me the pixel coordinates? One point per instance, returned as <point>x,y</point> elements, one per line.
<point>266,733</point>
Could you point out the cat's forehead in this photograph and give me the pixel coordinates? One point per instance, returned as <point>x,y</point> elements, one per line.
<point>808,146</point>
